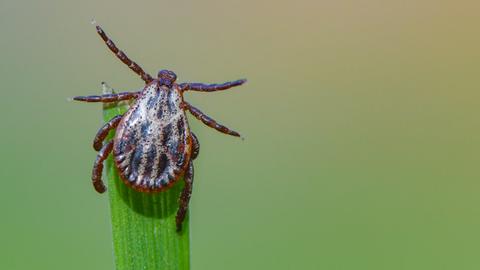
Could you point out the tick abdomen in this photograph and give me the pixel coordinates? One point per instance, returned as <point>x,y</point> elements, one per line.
<point>152,144</point>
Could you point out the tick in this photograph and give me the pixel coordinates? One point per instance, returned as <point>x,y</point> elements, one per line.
<point>153,146</point>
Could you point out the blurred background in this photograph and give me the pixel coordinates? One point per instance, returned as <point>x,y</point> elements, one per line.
<point>361,121</point>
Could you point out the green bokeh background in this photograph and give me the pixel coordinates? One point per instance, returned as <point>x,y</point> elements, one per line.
<point>361,121</point>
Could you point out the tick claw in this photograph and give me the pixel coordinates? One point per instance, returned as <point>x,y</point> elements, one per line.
<point>100,187</point>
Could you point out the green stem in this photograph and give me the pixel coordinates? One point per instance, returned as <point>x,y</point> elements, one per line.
<point>143,225</point>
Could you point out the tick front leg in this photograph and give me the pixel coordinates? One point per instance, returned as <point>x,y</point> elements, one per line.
<point>123,57</point>
<point>210,87</point>
<point>103,131</point>
<point>108,97</point>
<point>98,167</point>
<point>185,197</point>
<point>209,121</point>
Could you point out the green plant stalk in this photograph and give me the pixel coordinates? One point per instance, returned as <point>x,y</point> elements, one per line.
<point>143,225</point>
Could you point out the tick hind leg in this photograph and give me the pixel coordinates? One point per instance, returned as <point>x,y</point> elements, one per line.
<point>209,121</point>
<point>210,87</point>
<point>187,190</point>
<point>103,131</point>
<point>98,167</point>
<point>196,147</point>
<point>123,57</point>
<point>184,197</point>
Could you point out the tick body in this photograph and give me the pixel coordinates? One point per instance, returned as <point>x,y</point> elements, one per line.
<point>153,143</point>
<point>153,146</point>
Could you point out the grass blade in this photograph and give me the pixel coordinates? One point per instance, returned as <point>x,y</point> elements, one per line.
<point>143,225</point>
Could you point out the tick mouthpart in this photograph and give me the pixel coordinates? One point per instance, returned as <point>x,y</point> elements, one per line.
<point>166,77</point>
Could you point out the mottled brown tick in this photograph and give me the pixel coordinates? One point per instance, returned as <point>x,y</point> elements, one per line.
<point>153,145</point>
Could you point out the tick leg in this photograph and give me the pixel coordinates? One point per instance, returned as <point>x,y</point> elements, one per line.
<point>123,57</point>
<point>98,167</point>
<point>185,197</point>
<point>196,146</point>
<point>108,97</point>
<point>103,132</point>
<point>209,121</point>
<point>210,87</point>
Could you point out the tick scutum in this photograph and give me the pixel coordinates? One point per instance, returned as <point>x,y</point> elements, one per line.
<point>153,143</point>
